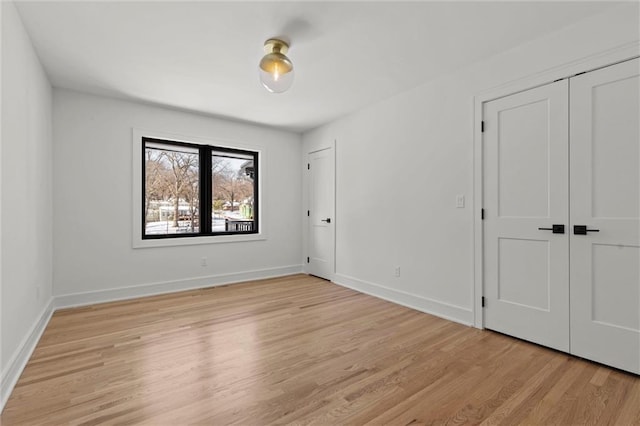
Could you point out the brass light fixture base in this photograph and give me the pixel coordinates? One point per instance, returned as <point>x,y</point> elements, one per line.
<point>274,45</point>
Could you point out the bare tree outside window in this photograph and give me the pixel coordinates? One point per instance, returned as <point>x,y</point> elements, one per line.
<point>171,189</point>
<point>233,192</point>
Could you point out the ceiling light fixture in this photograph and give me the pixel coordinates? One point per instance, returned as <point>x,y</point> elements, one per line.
<point>276,70</point>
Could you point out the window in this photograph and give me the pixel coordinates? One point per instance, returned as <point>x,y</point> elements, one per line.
<point>193,190</point>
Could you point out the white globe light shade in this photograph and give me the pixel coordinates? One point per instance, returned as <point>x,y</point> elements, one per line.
<point>276,83</point>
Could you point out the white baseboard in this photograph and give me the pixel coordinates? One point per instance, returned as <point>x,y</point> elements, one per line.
<point>18,361</point>
<point>163,287</point>
<point>440,309</point>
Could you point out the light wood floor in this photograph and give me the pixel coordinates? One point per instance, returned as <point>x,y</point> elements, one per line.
<point>301,350</point>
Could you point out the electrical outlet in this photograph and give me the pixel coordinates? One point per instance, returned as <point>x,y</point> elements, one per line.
<point>397,271</point>
<point>203,262</point>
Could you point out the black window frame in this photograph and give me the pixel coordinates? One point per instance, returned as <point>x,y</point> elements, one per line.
<point>205,176</point>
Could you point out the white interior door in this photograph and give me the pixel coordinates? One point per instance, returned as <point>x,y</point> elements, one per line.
<point>321,219</point>
<point>525,149</point>
<point>605,196</point>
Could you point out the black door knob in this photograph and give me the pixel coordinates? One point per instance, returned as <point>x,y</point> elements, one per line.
<point>328,220</point>
<point>556,229</point>
<point>582,230</point>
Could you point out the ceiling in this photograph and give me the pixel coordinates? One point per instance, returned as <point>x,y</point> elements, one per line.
<point>203,56</point>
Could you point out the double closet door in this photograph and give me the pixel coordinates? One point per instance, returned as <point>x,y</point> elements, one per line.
<point>561,187</point>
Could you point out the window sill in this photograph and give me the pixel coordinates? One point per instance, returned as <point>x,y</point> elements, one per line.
<point>190,241</point>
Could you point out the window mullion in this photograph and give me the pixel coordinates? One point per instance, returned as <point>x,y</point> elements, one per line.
<point>205,190</point>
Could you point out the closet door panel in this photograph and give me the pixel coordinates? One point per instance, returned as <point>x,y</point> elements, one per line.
<point>525,148</point>
<point>605,197</point>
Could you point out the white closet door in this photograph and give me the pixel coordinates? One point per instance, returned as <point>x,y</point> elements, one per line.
<point>526,153</point>
<point>605,196</point>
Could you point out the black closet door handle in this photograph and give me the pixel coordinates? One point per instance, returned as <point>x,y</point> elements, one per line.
<point>582,230</point>
<point>327,220</point>
<point>556,229</point>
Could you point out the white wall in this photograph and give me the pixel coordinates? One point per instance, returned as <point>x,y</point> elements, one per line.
<point>400,164</point>
<point>26,193</point>
<point>93,203</point>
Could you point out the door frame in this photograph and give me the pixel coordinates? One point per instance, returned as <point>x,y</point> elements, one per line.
<point>308,150</point>
<point>567,70</point>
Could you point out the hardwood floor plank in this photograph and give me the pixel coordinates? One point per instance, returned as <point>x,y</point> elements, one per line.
<point>629,413</point>
<point>540,414</point>
<point>300,350</point>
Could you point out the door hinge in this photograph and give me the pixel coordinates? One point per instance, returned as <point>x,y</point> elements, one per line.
<point>482,126</point>
<point>308,166</point>
<point>308,214</point>
<point>482,301</point>
<point>307,260</point>
<point>482,214</point>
